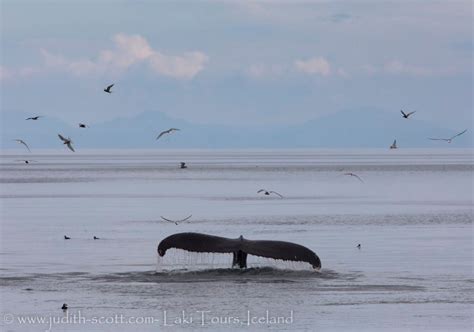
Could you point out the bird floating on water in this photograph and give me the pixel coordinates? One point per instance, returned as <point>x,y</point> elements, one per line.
<point>96,238</point>
<point>406,115</point>
<point>358,246</point>
<point>176,222</point>
<point>66,237</point>
<point>169,131</point>
<point>394,145</point>
<point>108,89</point>
<point>20,141</point>
<point>67,142</point>
<point>27,161</point>
<point>34,117</point>
<point>182,165</point>
<point>83,125</point>
<point>354,175</point>
<point>64,307</point>
<point>449,140</point>
<point>269,192</point>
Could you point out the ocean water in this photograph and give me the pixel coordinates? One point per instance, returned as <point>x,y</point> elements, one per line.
<point>412,215</point>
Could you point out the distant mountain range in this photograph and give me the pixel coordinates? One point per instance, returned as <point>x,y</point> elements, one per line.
<point>345,129</point>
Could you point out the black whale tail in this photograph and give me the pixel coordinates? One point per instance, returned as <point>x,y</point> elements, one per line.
<point>240,248</point>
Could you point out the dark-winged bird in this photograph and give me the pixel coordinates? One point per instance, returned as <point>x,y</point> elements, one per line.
<point>269,192</point>
<point>406,115</point>
<point>34,117</point>
<point>82,125</point>
<point>107,89</point>
<point>182,165</point>
<point>394,145</point>
<point>27,161</point>
<point>169,131</point>
<point>66,237</point>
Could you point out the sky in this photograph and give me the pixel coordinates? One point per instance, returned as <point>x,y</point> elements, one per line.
<point>246,63</point>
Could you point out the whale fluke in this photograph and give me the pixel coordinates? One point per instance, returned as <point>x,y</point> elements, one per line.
<point>240,248</point>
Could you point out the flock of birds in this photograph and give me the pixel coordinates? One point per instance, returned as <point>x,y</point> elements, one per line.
<point>68,141</point>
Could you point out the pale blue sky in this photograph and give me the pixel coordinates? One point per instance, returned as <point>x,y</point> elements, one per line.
<point>237,62</point>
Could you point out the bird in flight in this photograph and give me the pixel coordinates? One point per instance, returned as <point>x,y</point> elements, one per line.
<point>27,161</point>
<point>82,125</point>
<point>394,145</point>
<point>34,117</point>
<point>449,140</point>
<point>67,142</point>
<point>269,192</point>
<point>176,222</point>
<point>406,115</point>
<point>169,131</point>
<point>20,141</point>
<point>107,89</point>
<point>354,175</point>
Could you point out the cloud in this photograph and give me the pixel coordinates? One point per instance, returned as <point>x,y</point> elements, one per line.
<point>129,50</point>
<point>314,66</point>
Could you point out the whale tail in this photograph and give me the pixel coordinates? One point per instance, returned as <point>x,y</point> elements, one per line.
<point>240,248</point>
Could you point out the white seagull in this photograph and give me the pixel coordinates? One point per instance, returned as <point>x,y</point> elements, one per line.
<point>354,175</point>
<point>67,142</point>
<point>176,221</point>
<point>169,131</point>
<point>20,141</point>
<point>269,192</point>
<point>449,140</point>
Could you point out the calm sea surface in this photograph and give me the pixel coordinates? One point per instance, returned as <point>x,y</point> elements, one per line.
<point>412,215</point>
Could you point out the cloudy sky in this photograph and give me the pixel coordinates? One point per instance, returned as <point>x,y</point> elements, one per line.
<point>237,62</point>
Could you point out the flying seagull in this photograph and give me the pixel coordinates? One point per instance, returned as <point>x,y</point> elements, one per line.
<point>67,142</point>
<point>394,145</point>
<point>177,221</point>
<point>34,117</point>
<point>82,125</point>
<point>169,131</point>
<point>107,89</point>
<point>269,192</point>
<point>27,161</point>
<point>448,139</point>
<point>354,175</point>
<point>20,141</point>
<point>406,115</point>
